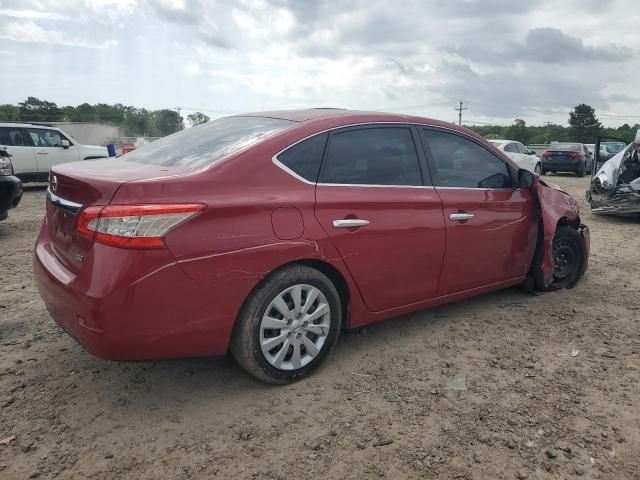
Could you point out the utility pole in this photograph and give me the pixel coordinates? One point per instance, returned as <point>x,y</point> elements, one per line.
<point>178,109</point>
<point>547,135</point>
<point>460,109</point>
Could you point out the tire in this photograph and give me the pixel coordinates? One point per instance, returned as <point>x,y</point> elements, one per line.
<point>543,171</point>
<point>251,332</point>
<point>537,169</point>
<point>580,172</point>
<point>569,254</point>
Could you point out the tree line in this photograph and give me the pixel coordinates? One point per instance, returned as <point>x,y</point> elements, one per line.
<point>131,120</point>
<point>583,127</point>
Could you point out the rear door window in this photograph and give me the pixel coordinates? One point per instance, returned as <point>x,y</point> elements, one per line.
<point>13,137</point>
<point>304,158</point>
<point>460,162</point>
<point>372,156</point>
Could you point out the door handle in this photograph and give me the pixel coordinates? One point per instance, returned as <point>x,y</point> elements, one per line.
<point>460,217</point>
<point>350,223</point>
<point>42,153</point>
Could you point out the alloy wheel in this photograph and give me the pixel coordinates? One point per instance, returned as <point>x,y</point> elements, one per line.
<point>294,327</point>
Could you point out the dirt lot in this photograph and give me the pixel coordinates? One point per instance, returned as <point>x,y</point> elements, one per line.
<point>527,411</point>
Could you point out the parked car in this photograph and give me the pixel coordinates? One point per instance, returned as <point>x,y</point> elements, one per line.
<point>10,185</point>
<point>524,157</point>
<point>567,157</point>
<point>36,148</point>
<point>615,186</point>
<point>265,234</point>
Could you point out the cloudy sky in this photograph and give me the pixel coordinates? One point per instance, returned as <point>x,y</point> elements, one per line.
<point>504,59</point>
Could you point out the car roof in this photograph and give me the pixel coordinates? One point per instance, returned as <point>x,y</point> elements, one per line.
<point>27,125</point>
<point>329,118</point>
<point>497,140</point>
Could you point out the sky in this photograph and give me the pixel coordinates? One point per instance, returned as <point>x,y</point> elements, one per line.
<point>504,59</point>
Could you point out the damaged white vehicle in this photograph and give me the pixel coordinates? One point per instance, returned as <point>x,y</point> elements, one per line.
<point>615,185</point>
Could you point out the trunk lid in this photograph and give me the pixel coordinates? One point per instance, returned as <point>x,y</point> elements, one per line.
<point>75,186</point>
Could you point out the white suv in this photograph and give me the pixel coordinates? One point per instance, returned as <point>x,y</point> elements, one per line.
<point>36,148</point>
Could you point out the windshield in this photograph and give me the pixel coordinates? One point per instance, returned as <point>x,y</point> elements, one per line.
<point>205,144</point>
<point>613,147</point>
<point>565,147</point>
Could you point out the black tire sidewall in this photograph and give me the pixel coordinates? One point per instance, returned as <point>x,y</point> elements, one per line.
<point>263,297</point>
<point>569,233</point>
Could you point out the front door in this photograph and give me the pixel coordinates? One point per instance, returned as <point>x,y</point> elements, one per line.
<point>491,226</point>
<point>374,202</point>
<point>49,150</point>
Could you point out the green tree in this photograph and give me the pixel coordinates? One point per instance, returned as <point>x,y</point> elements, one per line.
<point>165,122</point>
<point>34,109</point>
<point>197,118</point>
<point>584,126</point>
<point>518,132</point>
<point>9,113</point>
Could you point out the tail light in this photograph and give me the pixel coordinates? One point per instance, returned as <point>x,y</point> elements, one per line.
<point>575,155</point>
<point>546,154</point>
<point>134,226</point>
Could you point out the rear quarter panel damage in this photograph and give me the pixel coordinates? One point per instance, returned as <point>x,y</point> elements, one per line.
<point>556,206</point>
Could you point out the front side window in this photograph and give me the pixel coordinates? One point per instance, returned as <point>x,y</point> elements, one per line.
<point>12,137</point>
<point>205,144</point>
<point>522,149</point>
<point>45,138</point>
<point>305,158</point>
<point>372,156</point>
<point>461,162</point>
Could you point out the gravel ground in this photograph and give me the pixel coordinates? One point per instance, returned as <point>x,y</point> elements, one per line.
<point>477,389</point>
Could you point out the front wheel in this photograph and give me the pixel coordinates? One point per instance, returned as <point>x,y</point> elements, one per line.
<point>288,325</point>
<point>569,256</point>
<point>537,169</point>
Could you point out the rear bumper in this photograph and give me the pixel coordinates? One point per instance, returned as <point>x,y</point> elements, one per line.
<point>137,305</point>
<point>10,194</point>
<point>561,165</point>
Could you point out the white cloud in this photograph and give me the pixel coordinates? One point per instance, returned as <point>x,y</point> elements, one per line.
<point>32,15</point>
<point>29,32</point>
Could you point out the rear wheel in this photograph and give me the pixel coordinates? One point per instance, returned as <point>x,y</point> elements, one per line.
<point>288,325</point>
<point>569,252</point>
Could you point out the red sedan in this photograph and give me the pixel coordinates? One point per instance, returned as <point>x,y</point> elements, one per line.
<point>266,234</point>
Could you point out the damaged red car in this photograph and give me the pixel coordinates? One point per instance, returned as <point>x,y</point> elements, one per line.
<point>267,234</point>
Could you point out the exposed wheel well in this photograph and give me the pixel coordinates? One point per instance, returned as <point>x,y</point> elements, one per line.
<point>327,269</point>
<point>338,280</point>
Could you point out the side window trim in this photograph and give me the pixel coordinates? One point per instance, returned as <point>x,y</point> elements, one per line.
<point>416,144</point>
<point>432,167</point>
<point>276,161</point>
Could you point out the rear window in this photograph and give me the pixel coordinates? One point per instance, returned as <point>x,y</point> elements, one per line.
<point>205,144</point>
<point>565,147</point>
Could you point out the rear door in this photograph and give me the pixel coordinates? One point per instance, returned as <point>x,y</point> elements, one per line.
<point>491,226</point>
<point>375,201</point>
<point>49,150</point>
<point>18,145</point>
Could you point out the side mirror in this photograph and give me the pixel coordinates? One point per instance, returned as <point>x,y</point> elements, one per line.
<point>525,178</point>
<point>637,139</point>
<point>532,152</point>
<point>65,144</point>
